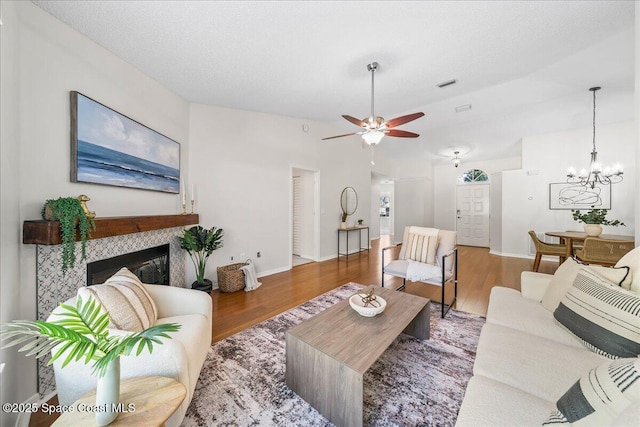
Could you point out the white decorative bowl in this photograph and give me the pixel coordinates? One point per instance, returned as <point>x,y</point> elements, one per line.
<point>369,311</point>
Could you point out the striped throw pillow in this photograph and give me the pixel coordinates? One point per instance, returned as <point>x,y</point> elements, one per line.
<point>604,316</point>
<point>422,248</point>
<point>123,296</point>
<point>599,397</point>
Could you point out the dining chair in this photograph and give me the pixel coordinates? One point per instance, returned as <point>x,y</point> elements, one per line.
<point>603,251</point>
<point>542,248</point>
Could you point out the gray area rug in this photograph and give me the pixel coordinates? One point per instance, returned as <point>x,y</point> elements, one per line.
<point>414,383</point>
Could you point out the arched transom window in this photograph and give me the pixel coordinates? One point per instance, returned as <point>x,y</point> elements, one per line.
<point>472,176</point>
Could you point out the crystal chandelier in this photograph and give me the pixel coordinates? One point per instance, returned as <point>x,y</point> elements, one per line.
<point>597,174</point>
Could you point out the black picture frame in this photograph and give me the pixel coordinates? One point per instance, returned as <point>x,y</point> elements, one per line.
<point>566,196</point>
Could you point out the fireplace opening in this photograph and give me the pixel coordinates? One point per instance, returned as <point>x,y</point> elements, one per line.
<point>150,265</point>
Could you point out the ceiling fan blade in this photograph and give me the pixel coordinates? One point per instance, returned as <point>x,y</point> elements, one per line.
<point>401,133</point>
<point>353,120</point>
<point>403,119</point>
<point>339,136</point>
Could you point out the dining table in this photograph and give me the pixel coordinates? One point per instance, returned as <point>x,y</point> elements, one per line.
<point>569,237</point>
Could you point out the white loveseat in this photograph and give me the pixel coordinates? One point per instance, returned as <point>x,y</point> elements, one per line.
<point>180,357</point>
<point>526,361</point>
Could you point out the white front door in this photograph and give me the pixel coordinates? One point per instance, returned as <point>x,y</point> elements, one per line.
<point>472,214</point>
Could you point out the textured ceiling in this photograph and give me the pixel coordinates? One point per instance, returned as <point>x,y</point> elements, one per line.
<point>525,66</point>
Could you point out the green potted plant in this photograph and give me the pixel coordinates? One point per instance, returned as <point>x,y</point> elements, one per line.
<point>594,220</point>
<point>200,244</point>
<point>81,334</point>
<point>360,221</point>
<point>343,220</point>
<point>69,211</point>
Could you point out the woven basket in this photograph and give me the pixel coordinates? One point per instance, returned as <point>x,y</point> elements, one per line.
<point>231,278</point>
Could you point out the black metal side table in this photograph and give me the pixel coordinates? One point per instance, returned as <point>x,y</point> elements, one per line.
<point>359,229</point>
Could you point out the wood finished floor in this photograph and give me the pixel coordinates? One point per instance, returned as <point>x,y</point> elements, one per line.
<point>479,271</point>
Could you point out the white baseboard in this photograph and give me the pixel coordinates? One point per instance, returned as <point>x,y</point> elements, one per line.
<point>274,271</point>
<point>511,255</point>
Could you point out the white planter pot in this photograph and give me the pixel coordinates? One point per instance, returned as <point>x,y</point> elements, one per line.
<point>343,225</point>
<point>593,230</point>
<point>108,394</point>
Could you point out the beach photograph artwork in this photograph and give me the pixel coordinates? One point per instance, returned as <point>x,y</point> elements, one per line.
<point>110,148</point>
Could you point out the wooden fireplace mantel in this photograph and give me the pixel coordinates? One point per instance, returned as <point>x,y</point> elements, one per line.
<point>43,232</point>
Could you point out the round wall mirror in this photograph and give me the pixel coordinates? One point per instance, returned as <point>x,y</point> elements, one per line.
<point>349,200</point>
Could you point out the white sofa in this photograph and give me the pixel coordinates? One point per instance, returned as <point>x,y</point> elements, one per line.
<point>525,361</point>
<point>180,357</point>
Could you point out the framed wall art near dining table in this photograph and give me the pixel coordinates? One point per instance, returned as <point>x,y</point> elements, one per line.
<point>563,195</point>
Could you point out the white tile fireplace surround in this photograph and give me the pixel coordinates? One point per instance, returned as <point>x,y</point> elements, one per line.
<point>53,287</point>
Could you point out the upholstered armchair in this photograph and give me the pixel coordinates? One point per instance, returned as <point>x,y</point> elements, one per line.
<point>427,255</point>
<point>180,357</point>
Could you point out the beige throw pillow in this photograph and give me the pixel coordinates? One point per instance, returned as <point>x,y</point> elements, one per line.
<point>422,248</point>
<point>125,299</point>
<point>560,283</point>
<point>566,274</point>
<point>631,260</point>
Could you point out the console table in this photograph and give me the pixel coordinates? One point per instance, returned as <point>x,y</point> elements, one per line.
<point>357,228</point>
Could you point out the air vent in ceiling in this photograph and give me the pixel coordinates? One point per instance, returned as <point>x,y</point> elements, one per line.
<point>462,108</point>
<point>447,83</point>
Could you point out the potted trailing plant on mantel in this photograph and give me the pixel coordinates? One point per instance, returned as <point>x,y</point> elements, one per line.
<point>70,212</point>
<point>81,334</point>
<point>200,244</point>
<point>594,220</point>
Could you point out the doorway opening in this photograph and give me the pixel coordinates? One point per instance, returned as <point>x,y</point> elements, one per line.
<point>304,219</point>
<point>387,211</point>
<point>382,205</point>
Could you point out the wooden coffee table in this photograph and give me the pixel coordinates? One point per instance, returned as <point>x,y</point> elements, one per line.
<point>328,354</point>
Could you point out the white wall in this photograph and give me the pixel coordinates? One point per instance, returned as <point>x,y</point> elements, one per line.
<point>525,193</point>
<point>42,60</point>
<point>495,219</point>
<point>243,160</point>
<point>18,378</point>
<point>307,223</point>
<point>637,121</point>
<point>446,181</point>
<point>415,205</point>
<point>411,197</point>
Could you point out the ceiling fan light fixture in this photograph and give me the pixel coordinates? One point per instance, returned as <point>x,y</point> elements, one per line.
<point>373,137</point>
<point>374,128</point>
